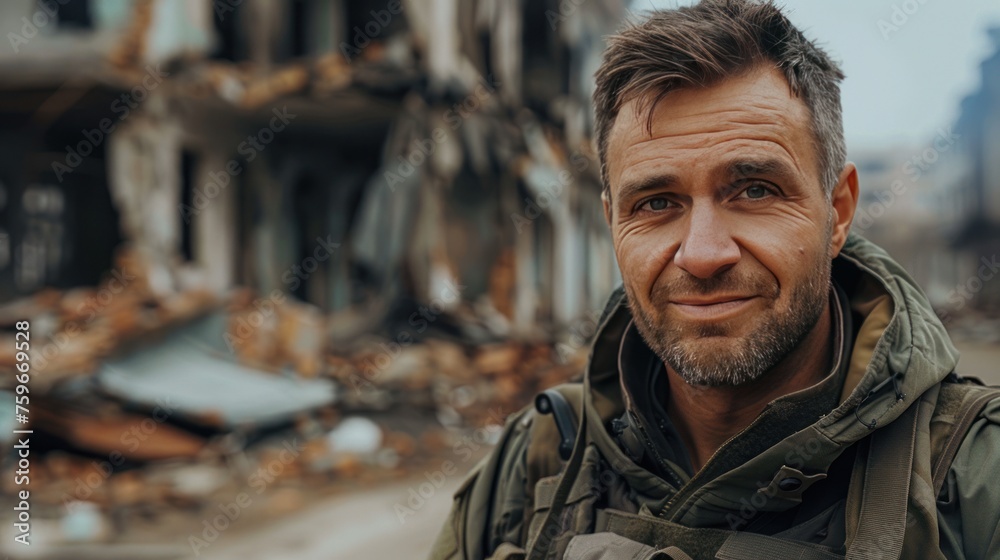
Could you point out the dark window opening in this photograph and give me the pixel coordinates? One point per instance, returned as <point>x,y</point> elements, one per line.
<point>310,208</point>
<point>73,14</point>
<point>487,49</point>
<point>249,214</point>
<point>373,20</point>
<point>225,21</point>
<point>546,59</point>
<point>188,169</point>
<point>299,32</point>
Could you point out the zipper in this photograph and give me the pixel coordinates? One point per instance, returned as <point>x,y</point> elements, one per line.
<point>686,490</point>
<point>674,478</point>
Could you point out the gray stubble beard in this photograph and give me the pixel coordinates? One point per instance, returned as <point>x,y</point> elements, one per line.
<point>754,355</point>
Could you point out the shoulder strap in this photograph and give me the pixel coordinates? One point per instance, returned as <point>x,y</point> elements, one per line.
<point>959,404</point>
<point>885,486</point>
<point>543,458</point>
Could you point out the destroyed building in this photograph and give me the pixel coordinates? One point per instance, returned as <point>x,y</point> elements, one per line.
<point>413,145</point>
<point>205,205</point>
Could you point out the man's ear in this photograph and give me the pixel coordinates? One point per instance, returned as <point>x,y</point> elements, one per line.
<point>607,206</point>
<point>844,202</point>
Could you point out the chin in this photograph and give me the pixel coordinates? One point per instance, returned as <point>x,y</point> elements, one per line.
<point>716,361</point>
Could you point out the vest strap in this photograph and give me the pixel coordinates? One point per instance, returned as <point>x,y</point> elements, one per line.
<point>886,490</point>
<point>751,546</point>
<point>706,543</point>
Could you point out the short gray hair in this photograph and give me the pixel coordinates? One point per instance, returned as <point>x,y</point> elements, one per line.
<point>700,45</point>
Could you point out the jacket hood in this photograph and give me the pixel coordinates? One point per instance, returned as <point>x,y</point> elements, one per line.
<point>901,350</point>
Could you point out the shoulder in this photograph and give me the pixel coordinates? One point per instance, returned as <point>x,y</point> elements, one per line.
<point>495,503</point>
<point>487,507</point>
<point>970,500</point>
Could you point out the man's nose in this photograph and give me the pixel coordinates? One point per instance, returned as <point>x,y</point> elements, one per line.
<point>707,248</point>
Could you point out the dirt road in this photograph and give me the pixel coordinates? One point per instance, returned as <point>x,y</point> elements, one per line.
<point>362,526</point>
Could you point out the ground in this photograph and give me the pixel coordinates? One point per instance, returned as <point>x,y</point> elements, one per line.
<point>360,526</point>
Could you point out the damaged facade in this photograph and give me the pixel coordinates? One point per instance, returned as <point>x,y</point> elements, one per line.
<point>234,224</point>
<point>242,138</point>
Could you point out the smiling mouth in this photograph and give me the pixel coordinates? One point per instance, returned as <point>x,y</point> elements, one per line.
<point>712,309</point>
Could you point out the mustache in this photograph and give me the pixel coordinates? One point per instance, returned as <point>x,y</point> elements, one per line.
<point>729,282</point>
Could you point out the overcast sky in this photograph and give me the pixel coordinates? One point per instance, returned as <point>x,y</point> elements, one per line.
<point>901,85</point>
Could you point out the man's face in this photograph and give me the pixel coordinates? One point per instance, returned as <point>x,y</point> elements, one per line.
<point>721,226</point>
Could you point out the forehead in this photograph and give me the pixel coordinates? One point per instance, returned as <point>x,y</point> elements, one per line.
<point>697,128</point>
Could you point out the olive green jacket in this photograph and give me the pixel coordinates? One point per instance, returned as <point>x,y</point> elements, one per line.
<point>900,358</point>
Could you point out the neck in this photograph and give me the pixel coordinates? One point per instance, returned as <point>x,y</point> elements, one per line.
<point>706,417</point>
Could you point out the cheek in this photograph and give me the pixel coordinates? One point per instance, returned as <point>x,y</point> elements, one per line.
<point>641,259</point>
<point>788,252</point>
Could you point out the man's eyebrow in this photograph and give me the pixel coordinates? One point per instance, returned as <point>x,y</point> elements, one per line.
<point>743,168</point>
<point>638,186</point>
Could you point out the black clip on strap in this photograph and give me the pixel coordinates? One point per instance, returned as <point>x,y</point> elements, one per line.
<point>552,402</point>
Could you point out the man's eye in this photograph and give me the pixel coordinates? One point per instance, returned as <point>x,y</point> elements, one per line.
<point>655,204</point>
<point>755,192</point>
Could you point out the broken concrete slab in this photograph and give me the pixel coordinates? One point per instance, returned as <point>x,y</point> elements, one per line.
<point>193,371</point>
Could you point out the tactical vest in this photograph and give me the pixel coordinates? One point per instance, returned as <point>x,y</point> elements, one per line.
<point>568,515</point>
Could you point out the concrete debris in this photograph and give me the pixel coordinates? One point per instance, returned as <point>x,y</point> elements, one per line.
<point>250,91</point>
<point>186,482</point>
<point>83,523</point>
<point>356,434</point>
<point>130,437</point>
<point>181,375</point>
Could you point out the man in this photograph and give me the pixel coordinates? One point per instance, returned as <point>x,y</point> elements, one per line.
<point>766,384</point>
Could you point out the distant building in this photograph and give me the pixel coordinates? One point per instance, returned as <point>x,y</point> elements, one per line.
<point>935,207</point>
<point>977,192</point>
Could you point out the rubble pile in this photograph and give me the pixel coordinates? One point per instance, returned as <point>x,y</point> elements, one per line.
<point>153,406</point>
<point>75,330</point>
<point>466,383</point>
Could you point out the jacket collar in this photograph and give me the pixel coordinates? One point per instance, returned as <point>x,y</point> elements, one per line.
<point>644,387</point>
